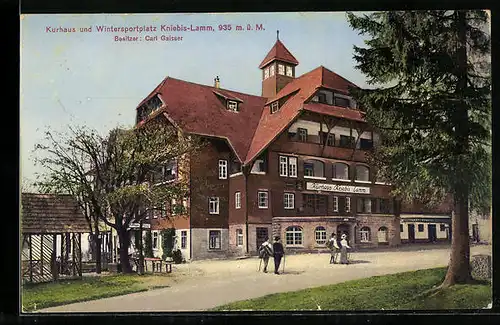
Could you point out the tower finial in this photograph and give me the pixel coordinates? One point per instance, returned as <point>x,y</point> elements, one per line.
<point>278,35</point>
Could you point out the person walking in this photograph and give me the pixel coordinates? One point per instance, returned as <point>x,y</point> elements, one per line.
<point>279,252</point>
<point>343,249</point>
<point>334,248</point>
<point>265,251</point>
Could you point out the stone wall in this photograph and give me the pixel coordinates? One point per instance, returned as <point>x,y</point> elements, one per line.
<point>481,267</point>
<point>199,240</point>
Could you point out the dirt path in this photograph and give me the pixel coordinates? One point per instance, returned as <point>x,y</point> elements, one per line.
<point>227,281</point>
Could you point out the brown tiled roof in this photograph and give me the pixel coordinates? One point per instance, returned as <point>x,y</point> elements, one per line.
<point>198,109</point>
<point>278,52</point>
<point>301,90</point>
<point>49,213</point>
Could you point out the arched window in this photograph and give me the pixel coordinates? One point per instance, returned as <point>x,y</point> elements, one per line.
<point>293,236</point>
<point>320,235</point>
<point>362,173</point>
<point>239,237</point>
<point>314,168</point>
<point>340,171</point>
<point>365,234</point>
<point>382,235</point>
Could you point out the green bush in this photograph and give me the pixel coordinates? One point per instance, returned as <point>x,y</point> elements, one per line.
<point>177,256</point>
<point>148,245</point>
<point>167,242</point>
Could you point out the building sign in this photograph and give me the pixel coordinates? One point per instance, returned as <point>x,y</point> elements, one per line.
<point>337,188</point>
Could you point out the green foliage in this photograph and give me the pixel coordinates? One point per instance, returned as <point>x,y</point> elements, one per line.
<point>148,245</point>
<point>167,242</point>
<point>177,256</point>
<point>430,101</point>
<point>399,291</point>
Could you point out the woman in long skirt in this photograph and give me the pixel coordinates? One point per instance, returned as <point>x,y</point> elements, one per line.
<point>343,250</point>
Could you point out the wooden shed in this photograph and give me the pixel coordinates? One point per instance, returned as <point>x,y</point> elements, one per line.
<point>51,230</point>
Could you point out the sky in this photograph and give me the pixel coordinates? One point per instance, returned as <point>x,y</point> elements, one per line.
<point>87,78</point>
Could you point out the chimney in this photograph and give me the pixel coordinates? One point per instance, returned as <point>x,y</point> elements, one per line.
<point>217,82</point>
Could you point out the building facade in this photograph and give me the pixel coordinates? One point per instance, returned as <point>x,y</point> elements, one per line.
<point>291,162</point>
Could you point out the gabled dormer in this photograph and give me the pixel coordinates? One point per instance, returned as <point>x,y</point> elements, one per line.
<point>150,106</point>
<point>278,69</point>
<point>335,98</point>
<point>230,102</point>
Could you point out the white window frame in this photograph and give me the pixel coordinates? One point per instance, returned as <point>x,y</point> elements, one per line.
<point>173,203</point>
<point>239,237</point>
<point>215,248</point>
<point>265,197</point>
<point>297,242</point>
<point>232,105</point>
<point>292,166</point>
<point>237,200</point>
<point>275,107</point>
<point>335,203</point>
<point>289,201</point>
<point>183,239</point>
<point>347,204</point>
<point>154,235</point>
<point>283,166</point>
<point>271,70</point>
<point>289,69</point>
<point>299,134</point>
<point>383,234</point>
<point>213,205</point>
<point>281,69</point>
<point>222,169</point>
<point>266,73</point>
<point>365,234</point>
<point>320,235</point>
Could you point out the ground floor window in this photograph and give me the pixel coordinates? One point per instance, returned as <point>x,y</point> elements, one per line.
<point>400,228</point>
<point>382,235</point>
<point>320,235</point>
<point>155,239</point>
<point>365,234</point>
<point>442,227</point>
<point>239,237</point>
<point>293,236</point>
<point>214,239</point>
<point>420,227</point>
<point>183,239</point>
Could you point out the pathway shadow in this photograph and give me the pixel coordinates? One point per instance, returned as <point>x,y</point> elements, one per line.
<point>358,262</point>
<point>292,272</point>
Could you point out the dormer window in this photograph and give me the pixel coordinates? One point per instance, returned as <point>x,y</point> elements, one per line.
<point>271,70</point>
<point>322,98</point>
<point>342,102</point>
<point>281,69</point>
<point>266,73</point>
<point>289,71</point>
<point>274,107</point>
<point>232,105</point>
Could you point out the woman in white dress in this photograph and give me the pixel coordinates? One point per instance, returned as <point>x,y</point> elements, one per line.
<point>343,249</point>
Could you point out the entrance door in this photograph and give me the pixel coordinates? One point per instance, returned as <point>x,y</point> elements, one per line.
<point>432,233</point>
<point>411,233</point>
<point>262,234</point>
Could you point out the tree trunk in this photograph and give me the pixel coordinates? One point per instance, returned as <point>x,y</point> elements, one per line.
<point>124,244</point>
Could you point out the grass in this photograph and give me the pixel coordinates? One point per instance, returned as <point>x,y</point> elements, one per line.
<point>400,291</point>
<point>43,295</point>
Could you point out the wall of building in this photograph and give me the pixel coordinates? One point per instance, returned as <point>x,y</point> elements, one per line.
<point>234,249</point>
<point>375,222</point>
<point>237,184</point>
<point>199,241</point>
<point>252,235</point>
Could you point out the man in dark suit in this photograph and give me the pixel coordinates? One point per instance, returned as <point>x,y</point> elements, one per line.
<point>278,251</point>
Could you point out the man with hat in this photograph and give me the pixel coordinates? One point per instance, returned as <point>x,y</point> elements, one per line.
<point>279,252</point>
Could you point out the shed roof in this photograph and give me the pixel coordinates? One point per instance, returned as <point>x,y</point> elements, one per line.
<point>51,213</point>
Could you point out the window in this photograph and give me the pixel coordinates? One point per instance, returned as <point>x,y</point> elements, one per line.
<point>346,141</point>
<point>222,169</point>
<point>382,235</point>
<point>442,227</point>
<point>362,173</point>
<point>266,73</point>
<point>314,168</point>
<point>239,237</point>
<point>232,106</point>
<point>420,227</point>
<point>340,171</point>
<point>335,204</point>
<point>365,234</point>
<point>342,102</point>
<point>400,228</point>
<point>384,206</point>
<point>364,205</point>
<point>275,107</point>
<point>213,205</point>
<point>283,166</point>
<point>263,199</point>
<point>259,166</point>
<point>293,236</point>
<point>308,169</point>
<point>237,200</point>
<point>281,69</point>
<point>320,235</point>
<point>329,138</point>
<point>214,238</point>
<point>348,204</point>
<point>322,98</point>
<point>289,71</point>
<point>302,134</point>
<point>155,239</point>
<point>271,70</point>
<point>156,212</point>
<point>366,144</point>
<point>314,204</point>
<point>289,200</point>
<point>292,166</point>
<point>183,239</point>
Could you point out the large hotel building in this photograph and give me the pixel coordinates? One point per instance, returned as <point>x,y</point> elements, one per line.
<point>291,162</point>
